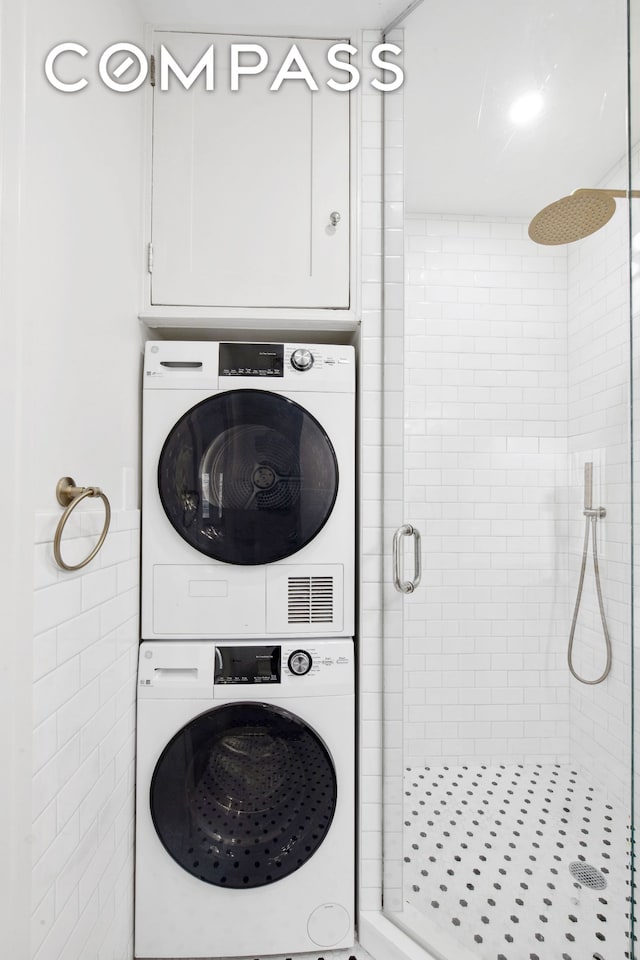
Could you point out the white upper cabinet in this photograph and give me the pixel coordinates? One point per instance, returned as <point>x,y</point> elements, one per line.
<point>245,182</point>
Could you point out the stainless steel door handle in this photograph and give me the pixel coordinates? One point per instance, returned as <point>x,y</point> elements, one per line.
<point>406,586</point>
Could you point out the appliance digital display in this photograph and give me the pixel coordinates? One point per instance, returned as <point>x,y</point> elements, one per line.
<point>251,360</point>
<point>247,665</point>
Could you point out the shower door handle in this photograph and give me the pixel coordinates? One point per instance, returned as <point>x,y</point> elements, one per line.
<point>401,585</point>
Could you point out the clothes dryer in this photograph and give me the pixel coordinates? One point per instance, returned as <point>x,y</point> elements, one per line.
<point>245,798</point>
<point>248,505</point>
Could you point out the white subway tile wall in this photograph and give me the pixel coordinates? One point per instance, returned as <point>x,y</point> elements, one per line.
<point>517,372</point>
<point>85,653</point>
<point>598,431</point>
<point>485,481</point>
<point>371,496</point>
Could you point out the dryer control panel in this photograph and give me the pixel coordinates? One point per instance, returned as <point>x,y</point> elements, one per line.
<point>251,360</point>
<point>285,367</point>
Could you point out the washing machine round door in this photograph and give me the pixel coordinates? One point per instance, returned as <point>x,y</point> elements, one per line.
<point>248,477</point>
<point>243,795</point>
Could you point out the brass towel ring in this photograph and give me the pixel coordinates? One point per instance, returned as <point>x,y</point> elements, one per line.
<point>69,496</point>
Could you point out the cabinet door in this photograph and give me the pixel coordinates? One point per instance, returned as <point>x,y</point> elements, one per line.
<point>245,182</point>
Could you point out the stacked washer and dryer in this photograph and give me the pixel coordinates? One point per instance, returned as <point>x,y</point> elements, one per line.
<point>246,697</point>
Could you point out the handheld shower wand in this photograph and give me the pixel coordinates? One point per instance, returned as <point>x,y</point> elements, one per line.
<point>592,515</point>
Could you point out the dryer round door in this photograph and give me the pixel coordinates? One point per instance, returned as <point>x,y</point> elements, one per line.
<point>248,477</point>
<point>243,795</point>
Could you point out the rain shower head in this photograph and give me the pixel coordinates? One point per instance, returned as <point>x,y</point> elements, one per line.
<point>576,216</point>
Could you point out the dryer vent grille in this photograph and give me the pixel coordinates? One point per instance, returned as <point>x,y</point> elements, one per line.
<point>310,600</point>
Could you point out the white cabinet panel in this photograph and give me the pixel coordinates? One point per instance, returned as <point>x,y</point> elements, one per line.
<point>244,183</point>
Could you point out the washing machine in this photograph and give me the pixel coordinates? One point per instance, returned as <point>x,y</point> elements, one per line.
<point>248,502</point>
<point>245,798</point>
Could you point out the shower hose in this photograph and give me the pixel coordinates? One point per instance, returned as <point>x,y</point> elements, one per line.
<point>591,519</point>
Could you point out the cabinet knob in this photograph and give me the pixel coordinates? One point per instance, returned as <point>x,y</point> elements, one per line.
<point>335,218</point>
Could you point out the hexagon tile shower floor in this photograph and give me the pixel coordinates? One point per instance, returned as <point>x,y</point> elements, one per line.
<point>522,862</point>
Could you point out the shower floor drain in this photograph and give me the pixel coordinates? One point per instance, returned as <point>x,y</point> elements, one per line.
<point>587,875</point>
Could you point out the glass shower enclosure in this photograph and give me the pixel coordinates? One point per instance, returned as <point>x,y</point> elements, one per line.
<point>511,366</point>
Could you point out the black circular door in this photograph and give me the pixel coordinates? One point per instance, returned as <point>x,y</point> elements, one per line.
<point>243,795</point>
<point>248,477</point>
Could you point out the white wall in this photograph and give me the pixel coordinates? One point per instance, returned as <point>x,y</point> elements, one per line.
<point>84,707</point>
<point>16,510</point>
<point>598,430</point>
<point>484,480</point>
<point>71,260</point>
<point>82,257</point>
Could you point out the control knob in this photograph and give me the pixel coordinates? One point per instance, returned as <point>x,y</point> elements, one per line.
<point>302,360</point>
<point>300,662</point>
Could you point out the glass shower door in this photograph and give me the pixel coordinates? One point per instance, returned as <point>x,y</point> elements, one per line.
<point>508,779</point>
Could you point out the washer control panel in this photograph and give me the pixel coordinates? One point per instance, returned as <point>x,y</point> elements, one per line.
<point>202,670</point>
<point>247,664</point>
